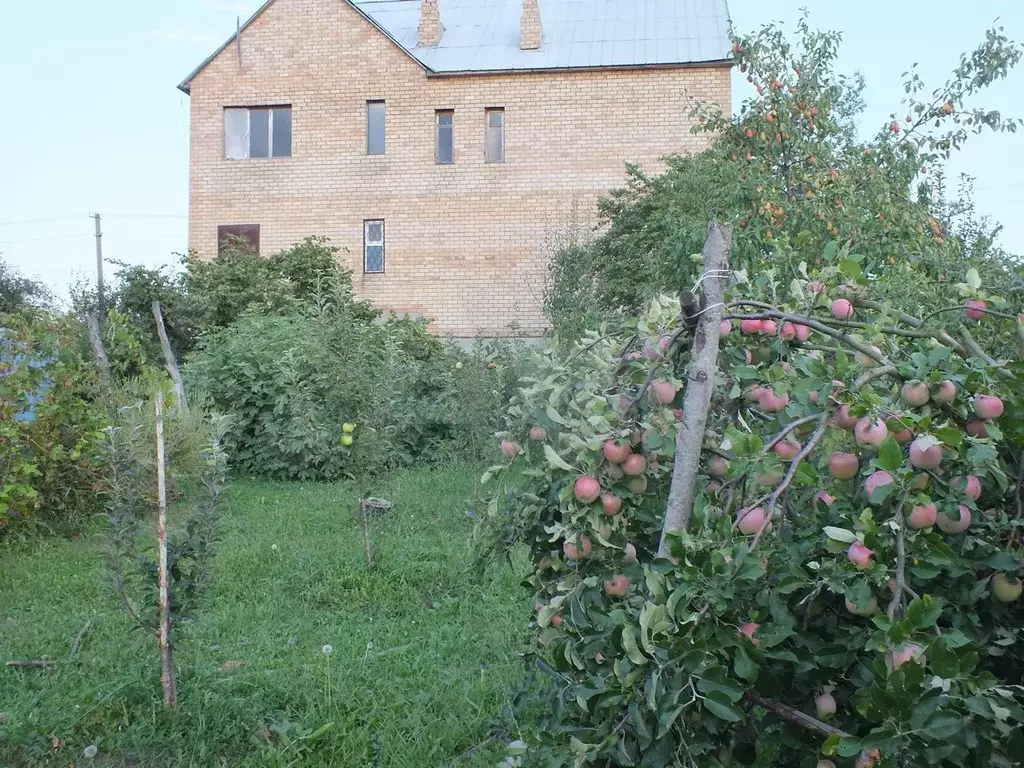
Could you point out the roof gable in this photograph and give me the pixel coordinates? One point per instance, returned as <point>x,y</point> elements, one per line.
<point>483,35</point>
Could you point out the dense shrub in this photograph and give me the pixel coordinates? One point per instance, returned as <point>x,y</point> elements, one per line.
<point>289,382</point>
<point>50,424</point>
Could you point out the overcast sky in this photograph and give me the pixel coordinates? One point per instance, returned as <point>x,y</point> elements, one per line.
<point>92,120</point>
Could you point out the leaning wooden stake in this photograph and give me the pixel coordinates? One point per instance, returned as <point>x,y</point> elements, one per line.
<point>367,543</point>
<point>700,383</point>
<point>171,363</point>
<point>167,678</point>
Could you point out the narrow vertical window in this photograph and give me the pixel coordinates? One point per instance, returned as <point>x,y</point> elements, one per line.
<point>445,149</point>
<point>375,127</point>
<point>494,139</point>
<point>373,246</point>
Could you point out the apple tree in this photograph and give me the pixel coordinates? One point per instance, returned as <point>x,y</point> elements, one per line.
<point>777,518</point>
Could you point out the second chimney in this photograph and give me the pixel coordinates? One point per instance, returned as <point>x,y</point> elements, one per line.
<point>530,31</point>
<point>430,31</point>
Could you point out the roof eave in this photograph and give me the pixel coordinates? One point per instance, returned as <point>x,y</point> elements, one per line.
<point>593,68</point>
<point>185,86</point>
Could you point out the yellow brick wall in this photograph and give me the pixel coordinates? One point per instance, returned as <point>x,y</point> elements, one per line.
<point>466,243</point>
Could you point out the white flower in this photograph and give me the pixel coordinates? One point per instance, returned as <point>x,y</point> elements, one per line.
<point>328,649</point>
<point>91,751</point>
<point>274,547</point>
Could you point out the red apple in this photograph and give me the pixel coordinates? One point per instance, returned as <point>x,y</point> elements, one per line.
<point>897,657</point>
<point>772,402</point>
<point>915,393</point>
<point>587,488</point>
<point>616,452</point>
<point>868,758</point>
<point>788,332</point>
<point>750,327</point>
<point>870,609</point>
<point>663,392</point>
<point>975,309</point>
<point>634,465</point>
<point>751,520</point>
<point>842,309</point>
<point>988,406</point>
<point>578,551</point>
<point>752,394</point>
<point>803,333</point>
<point>944,392</point>
<point>949,524</point>
<point>901,436</point>
<point>825,704</point>
<point>718,466</point>
<point>843,466</point>
<point>509,449</point>
<point>976,428</point>
<point>877,480</point>
<point>616,586</point>
<point>925,453</point>
<point>813,397</point>
<point>769,327</point>
<point>860,555</point>
<point>870,432</point>
<point>787,450</point>
<point>556,621</point>
<point>538,433</point>
<point>824,497</point>
<point>748,630</point>
<point>922,516</point>
<point>844,418</point>
<point>969,486</point>
<point>725,328</point>
<point>612,504</point>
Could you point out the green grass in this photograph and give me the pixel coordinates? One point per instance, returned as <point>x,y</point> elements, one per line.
<point>424,657</point>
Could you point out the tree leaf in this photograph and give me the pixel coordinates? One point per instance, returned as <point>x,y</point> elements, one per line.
<point>973,279</point>
<point>630,647</point>
<point>890,455</point>
<point>840,534</point>
<point>554,460</point>
<point>744,666</point>
<point>719,705</point>
<point>943,725</point>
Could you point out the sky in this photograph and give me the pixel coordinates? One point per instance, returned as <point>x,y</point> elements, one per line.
<point>93,121</point>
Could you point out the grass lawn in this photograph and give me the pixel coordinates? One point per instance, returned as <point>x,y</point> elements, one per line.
<point>424,656</point>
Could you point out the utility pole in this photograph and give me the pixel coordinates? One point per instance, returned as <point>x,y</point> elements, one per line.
<point>99,262</point>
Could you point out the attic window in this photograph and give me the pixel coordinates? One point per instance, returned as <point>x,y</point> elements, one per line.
<point>257,132</point>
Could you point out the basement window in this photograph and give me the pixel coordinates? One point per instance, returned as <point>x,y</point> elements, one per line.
<point>257,132</point>
<point>375,128</point>
<point>445,149</point>
<point>494,137</point>
<point>373,246</point>
<point>243,237</point>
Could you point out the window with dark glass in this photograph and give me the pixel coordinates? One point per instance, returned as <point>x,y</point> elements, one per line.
<point>373,246</point>
<point>244,237</point>
<point>257,132</point>
<point>445,143</point>
<point>494,136</point>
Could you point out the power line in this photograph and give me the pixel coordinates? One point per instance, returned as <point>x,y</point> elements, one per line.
<point>41,239</point>
<point>46,220</point>
<point>144,216</point>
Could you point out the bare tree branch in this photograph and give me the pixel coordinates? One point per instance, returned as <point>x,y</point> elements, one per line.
<point>700,384</point>
<point>172,364</point>
<point>795,716</point>
<point>900,581</point>
<point>875,373</point>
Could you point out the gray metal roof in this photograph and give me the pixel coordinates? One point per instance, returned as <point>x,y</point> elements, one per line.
<point>483,35</point>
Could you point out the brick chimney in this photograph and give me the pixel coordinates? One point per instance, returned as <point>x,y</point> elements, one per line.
<point>431,29</point>
<point>530,32</point>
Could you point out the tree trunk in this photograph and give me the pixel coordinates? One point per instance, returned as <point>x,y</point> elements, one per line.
<point>700,383</point>
<point>99,352</point>
<point>167,677</point>
<point>172,364</point>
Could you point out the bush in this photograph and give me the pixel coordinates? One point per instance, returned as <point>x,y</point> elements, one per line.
<point>50,424</point>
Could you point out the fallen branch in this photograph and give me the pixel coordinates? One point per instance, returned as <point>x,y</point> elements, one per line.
<point>29,664</point>
<point>700,383</point>
<point>795,716</point>
<point>171,363</point>
<point>77,642</point>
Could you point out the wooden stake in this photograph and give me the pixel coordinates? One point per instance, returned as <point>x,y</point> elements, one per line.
<point>166,650</point>
<point>172,364</point>
<point>367,544</point>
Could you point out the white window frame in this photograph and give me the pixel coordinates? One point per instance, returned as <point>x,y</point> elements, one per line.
<point>487,129</point>
<point>246,137</point>
<point>437,135</point>
<point>367,243</point>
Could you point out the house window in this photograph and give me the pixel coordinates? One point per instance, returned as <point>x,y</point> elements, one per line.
<point>257,132</point>
<point>245,237</point>
<point>494,139</point>
<point>445,149</point>
<point>373,246</point>
<point>375,127</point>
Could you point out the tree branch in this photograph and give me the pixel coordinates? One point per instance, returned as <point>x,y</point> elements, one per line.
<point>875,373</point>
<point>700,383</point>
<point>795,716</point>
<point>937,333</point>
<point>901,559</point>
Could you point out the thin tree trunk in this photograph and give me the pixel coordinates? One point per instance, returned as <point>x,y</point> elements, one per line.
<point>167,677</point>
<point>172,364</point>
<point>367,542</point>
<point>700,383</point>
<point>99,352</point>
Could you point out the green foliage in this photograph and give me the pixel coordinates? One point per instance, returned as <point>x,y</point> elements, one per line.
<point>18,292</point>
<point>289,382</point>
<point>137,288</point>
<point>50,424</point>
<point>423,657</point>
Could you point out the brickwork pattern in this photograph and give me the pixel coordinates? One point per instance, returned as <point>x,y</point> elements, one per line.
<point>530,32</point>
<point>467,244</point>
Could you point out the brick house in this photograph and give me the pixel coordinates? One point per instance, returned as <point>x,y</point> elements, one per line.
<point>443,144</point>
